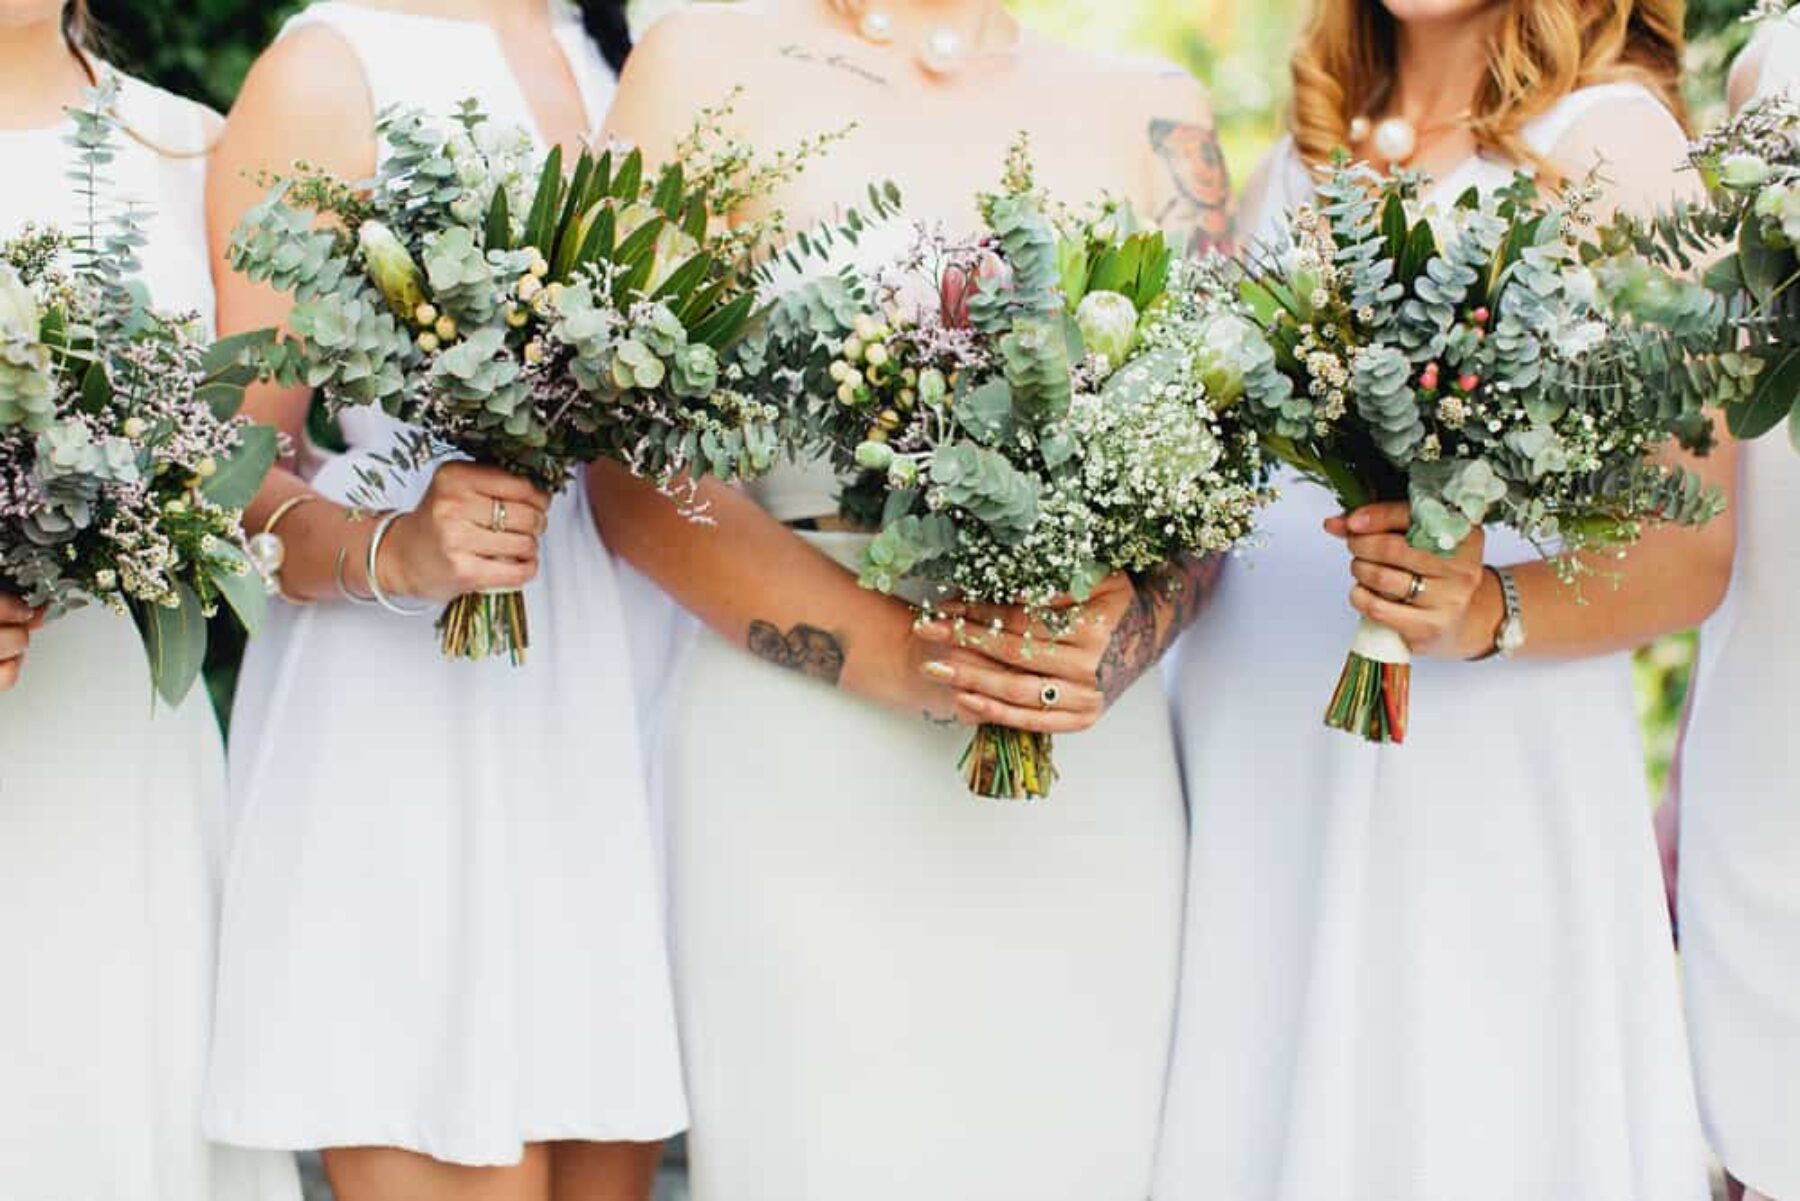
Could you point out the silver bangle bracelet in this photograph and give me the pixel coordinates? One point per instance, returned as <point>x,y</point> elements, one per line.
<point>343,587</point>
<point>381,598</point>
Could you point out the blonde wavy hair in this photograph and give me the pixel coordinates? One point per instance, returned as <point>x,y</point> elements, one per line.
<point>1541,51</point>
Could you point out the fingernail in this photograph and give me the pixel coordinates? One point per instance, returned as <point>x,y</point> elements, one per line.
<point>937,669</point>
<point>932,631</point>
<point>969,700</point>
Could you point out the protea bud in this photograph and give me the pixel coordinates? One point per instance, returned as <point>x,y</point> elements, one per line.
<point>392,269</point>
<point>954,289</point>
<point>1109,325</point>
<point>19,314</point>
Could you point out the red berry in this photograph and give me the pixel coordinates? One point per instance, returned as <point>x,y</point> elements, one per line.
<point>1469,382</point>
<point>1481,316</point>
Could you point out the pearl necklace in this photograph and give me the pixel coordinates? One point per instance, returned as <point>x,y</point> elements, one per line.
<point>1395,139</point>
<point>943,53</point>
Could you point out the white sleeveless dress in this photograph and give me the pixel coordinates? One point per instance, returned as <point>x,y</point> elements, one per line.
<point>443,925</point>
<point>891,990</point>
<point>112,809</point>
<point>1740,813</point>
<point>1423,972</point>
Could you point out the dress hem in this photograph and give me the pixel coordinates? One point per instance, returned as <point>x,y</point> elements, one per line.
<point>243,1140</point>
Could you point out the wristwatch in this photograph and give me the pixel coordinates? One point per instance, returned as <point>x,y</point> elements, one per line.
<point>1510,637</point>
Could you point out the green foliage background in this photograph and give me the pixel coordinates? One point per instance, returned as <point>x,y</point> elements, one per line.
<point>202,48</point>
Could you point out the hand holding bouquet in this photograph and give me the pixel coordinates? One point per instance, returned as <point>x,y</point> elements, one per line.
<point>521,316</point>
<point>1482,363</point>
<point>123,472</point>
<point>1026,414</point>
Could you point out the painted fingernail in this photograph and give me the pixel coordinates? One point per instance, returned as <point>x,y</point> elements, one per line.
<point>970,701</point>
<point>932,631</point>
<point>937,669</point>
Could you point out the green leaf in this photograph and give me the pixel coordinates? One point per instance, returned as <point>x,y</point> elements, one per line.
<point>1764,267</point>
<point>1393,225</point>
<point>96,388</point>
<point>724,326</point>
<point>1421,248</point>
<point>572,208</point>
<point>628,183</point>
<point>669,191</point>
<point>242,590</point>
<point>695,221</point>
<point>702,302</point>
<point>684,279</point>
<point>636,256</point>
<point>497,230</point>
<point>174,643</point>
<point>236,481</point>
<point>1777,391</point>
<point>597,243</point>
<point>544,204</point>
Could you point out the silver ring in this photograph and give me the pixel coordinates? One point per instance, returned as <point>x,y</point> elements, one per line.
<point>497,522</point>
<point>1417,589</point>
<point>1049,694</point>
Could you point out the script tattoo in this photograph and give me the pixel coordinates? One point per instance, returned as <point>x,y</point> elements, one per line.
<point>1201,206</point>
<point>1164,602</point>
<point>836,62</point>
<point>806,649</point>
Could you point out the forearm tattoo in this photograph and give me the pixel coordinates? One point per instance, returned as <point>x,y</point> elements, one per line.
<point>806,649</point>
<point>1201,205</point>
<point>836,62</point>
<point>1164,602</point>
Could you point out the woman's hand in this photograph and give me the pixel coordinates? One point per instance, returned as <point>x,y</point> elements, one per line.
<point>17,621</point>
<point>476,529</point>
<point>1455,607</point>
<point>1007,670</point>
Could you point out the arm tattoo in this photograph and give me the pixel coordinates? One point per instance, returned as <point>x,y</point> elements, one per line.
<point>839,62</point>
<point>1201,206</point>
<point>1164,602</point>
<point>805,649</point>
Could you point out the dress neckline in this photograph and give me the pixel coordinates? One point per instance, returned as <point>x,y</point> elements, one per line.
<point>560,32</point>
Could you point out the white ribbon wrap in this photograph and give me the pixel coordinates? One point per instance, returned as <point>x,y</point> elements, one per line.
<point>1375,641</point>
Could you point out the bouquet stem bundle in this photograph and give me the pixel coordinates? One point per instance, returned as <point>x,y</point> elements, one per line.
<point>1005,764</point>
<point>482,625</point>
<point>1373,690</point>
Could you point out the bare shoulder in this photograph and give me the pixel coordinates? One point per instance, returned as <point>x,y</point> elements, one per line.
<point>693,58</point>
<point>304,98</point>
<point>700,37</point>
<point>1635,144</point>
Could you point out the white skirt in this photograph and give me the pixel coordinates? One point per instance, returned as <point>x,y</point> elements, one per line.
<point>111,807</point>
<point>891,990</point>
<point>443,926</point>
<point>1437,970</point>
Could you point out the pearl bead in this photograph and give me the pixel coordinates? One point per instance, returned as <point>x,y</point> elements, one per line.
<point>876,26</point>
<point>943,52</point>
<point>1395,140</point>
<point>267,554</point>
<point>1359,130</point>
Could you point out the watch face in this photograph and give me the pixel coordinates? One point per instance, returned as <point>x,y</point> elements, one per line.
<point>1512,636</point>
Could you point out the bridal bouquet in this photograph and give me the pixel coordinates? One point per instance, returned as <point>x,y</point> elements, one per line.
<point>1751,167</point>
<point>1486,363</point>
<point>1024,413</point>
<point>123,470</point>
<point>522,315</point>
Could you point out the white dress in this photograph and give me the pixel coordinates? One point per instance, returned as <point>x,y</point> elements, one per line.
<point>1740,814</point>
<point>111,813</point>
<point>443,925</point>
<point>891,990</point>
<point>1423,972</point>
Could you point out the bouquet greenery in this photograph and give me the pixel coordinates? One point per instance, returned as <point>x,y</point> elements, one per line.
<point>1022,414</point>
<point>123,470</point>
<point>524,316</point>
<point>1751,168</point>
<point>1487,363</point>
